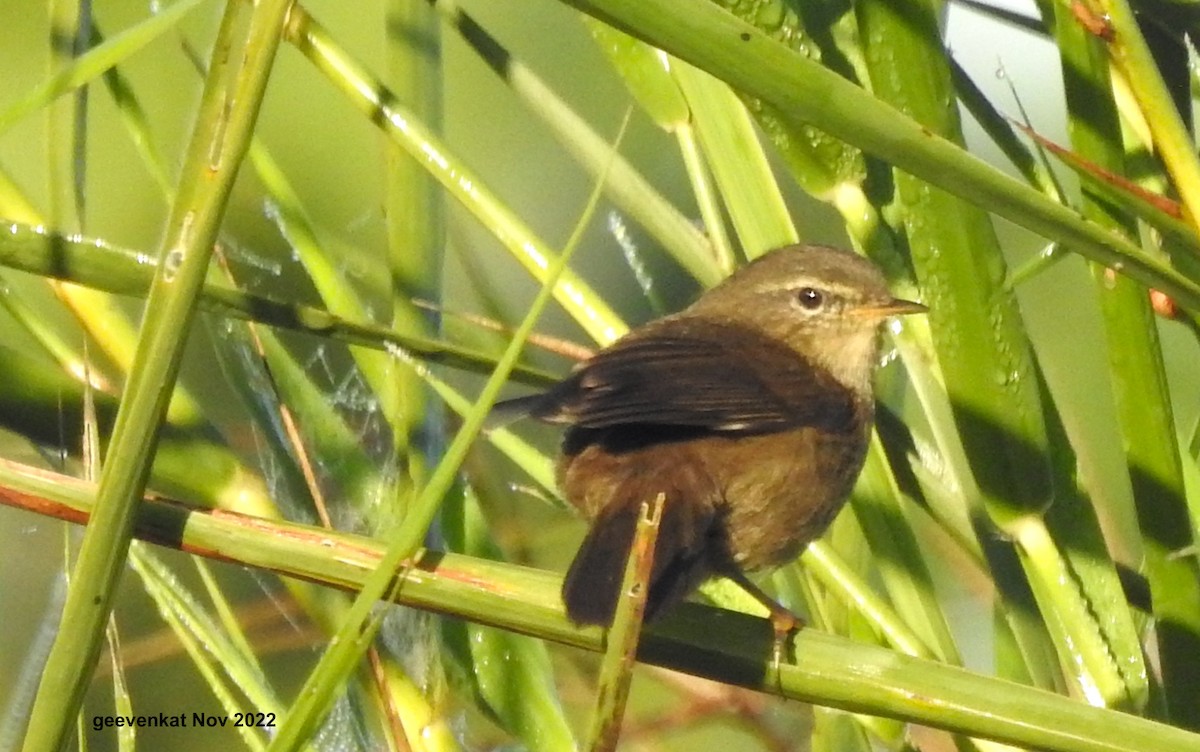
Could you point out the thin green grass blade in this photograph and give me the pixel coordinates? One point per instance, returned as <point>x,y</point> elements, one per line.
<point>1143,199</point>
<point>133,115</point>
<point>897,553</point>
<point>122,699</point>
<point>827,168</point>
<point>646,72</point>
<point>33,320</point>
<point>319,257</point>
<point>824,564</point>
<point>226,617</point>
<point>534,463</point>
<point>90,66</point>
<point>216,659</point>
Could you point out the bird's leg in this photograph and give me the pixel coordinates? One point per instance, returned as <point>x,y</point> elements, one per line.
<point>783,621</point>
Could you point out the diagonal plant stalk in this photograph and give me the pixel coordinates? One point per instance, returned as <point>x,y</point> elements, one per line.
<point>220,140</point>
<point>904,571</point>
<point>737,160</point>
<point>826,167</point>
<point>648,75</point>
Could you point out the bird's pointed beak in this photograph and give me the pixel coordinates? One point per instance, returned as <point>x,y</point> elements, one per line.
<point>895,307</point>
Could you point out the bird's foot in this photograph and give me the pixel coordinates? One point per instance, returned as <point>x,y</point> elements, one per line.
<point>784,623</point>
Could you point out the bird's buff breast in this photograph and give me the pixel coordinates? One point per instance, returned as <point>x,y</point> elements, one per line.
<point>767,495</point>
<point>772,510</point>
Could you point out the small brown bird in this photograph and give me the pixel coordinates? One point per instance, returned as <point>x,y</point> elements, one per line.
<point>750,411</point>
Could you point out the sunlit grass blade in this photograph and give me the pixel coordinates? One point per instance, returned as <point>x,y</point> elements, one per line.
<point>319,258</point>
<point>824,564</point>
<point>50,339</point>
<point>647,74</point>
<point>104,321</point>
<point>826,167</point>
<point>535,464</point>
<point>217,659</point>
<point>424,726</point>
<point>902,567</point>
<point>1172,140</point>
<point>122,699</point>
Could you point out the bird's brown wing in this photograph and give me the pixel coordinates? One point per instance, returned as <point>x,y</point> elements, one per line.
<point>700,374</point>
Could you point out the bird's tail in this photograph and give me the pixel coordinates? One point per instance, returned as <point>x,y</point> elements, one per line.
<point>593,583</point>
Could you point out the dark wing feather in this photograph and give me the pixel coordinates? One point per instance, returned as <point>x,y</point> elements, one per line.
<point>697,373</point>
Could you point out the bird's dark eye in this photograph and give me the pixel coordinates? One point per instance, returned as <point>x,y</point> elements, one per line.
<point>810,298</point>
